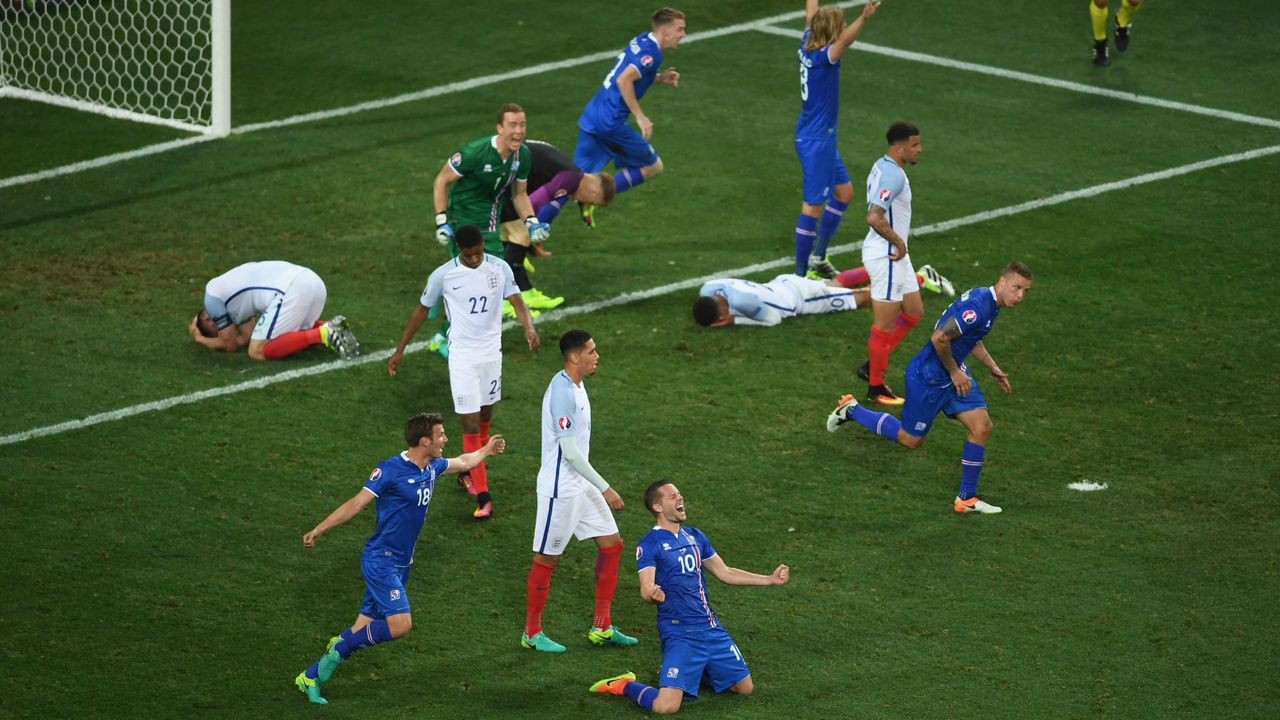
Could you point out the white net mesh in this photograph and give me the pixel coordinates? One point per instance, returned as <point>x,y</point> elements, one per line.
<point>152,58</point>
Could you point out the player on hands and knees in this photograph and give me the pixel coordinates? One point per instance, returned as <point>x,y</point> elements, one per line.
<point>937,380</point>
<point>696,649</point>
<point>401,488</point>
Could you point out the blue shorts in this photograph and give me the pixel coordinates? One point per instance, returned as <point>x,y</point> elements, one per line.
<point>384,593</point>
<point>623,145</point>
<point>705,655</point>
<point>924,401</point>
<point>822,168</point>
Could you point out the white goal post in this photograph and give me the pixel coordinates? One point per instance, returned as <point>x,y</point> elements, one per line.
<point>164,62</point>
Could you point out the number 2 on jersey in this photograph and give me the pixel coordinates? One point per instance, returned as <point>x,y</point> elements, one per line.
<point>479,307</point>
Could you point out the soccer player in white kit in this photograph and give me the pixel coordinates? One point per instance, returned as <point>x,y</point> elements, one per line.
<point>741,302</point>
<point>572,499</point>
<point>895,294</point>
<point>273,308</point>
<point>473,286</point>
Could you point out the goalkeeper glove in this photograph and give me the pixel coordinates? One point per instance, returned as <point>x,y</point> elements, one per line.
<point>538,231</point>
<point>444,233</point>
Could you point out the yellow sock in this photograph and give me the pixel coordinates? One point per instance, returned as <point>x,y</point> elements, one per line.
<point>1125,14</point>
<point>1099,17</point>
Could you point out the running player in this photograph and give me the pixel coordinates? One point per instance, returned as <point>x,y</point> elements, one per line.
<point>937,380</point>
<point>696,648</point>
<point>603,133</point>
<point>401,487</point>
<point>472,286</point>
<point>1098,11</point>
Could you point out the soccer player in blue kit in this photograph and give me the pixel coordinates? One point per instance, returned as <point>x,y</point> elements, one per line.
<point>695,646</point>
<point>603,132</point>
<point>403,486</point>
<point>937,380</point>
<point>826,182</point>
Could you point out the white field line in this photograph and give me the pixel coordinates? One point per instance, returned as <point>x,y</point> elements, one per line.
<point>627,298</point>
<point>437,91</point>
<point>1041,80</point>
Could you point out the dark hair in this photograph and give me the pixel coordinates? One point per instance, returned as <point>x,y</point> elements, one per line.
<point>573,340</point>
<point>200,326</point>
<point>468,236</point>
<point>706,310</point>
<point>1017,267</point>
<point>651,494</point>
<point>666,16</point>
<point>420,426</point>
<point>900,131</point>
<point>508,108</point>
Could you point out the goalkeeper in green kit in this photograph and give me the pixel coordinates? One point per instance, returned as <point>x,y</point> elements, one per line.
<point>468,191</point>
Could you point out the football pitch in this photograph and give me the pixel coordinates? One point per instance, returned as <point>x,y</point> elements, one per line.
<point>153,495</point>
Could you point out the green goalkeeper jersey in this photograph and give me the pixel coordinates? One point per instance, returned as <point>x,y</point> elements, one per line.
<point>476,199</point>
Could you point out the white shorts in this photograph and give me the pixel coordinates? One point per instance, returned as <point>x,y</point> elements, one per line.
<point>474,385</point>
<point>891,279</point>
<point>815,297</point>
<point>297,309</point>
<point>585,515</point>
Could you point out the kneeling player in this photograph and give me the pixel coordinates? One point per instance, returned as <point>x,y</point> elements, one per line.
<point>695,646</point>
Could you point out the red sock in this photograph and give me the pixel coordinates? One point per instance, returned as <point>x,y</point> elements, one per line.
<point>539,589</point>
<point>484,429</point>
<point>877,355</point>
<point>290,343</point>
<point>901,327</point>
<point>854,277</point>
<point>606,583</point>
<point>479,477</point>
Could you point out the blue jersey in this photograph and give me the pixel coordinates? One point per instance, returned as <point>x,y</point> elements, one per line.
<point>974,311</point>
<point>819,93</point>
<point>606,109</point>
<point>404,495</point>
<point>677,559</point>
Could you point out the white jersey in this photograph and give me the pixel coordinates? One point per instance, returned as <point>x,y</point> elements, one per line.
<point>889,189</point>
<point>473,300</point>
<point>785,296</point>
<point>566,411</point>
<point>247,290</point>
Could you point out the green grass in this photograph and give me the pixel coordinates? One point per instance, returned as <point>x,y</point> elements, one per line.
<point>152,566</point>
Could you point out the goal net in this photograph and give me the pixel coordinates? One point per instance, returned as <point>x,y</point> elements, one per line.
<point>166,62</point>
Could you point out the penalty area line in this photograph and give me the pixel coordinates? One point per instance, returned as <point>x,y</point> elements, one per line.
<point>627,298</point>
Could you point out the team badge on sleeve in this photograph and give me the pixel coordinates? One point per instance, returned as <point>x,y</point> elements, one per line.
<point>377,473</point>
<point>456,160</point>
<point>885,194</point>
<point>969,316</point>
<point>639,552</point>
<point>564,422</point>
<point>646,60</point>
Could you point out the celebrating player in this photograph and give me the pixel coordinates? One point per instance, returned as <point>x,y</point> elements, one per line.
<point>274,308</point>
<point>572,498</point>
<point>603,133</point>
<point>937,380</point>
<point>402,487</point>
<point>695,646</point>
<point>896,306</point>
<point>469,189</point>
<point>823,44</point>
<point>472,286</point>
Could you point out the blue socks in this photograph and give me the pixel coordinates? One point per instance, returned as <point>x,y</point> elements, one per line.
<point>882,424</point>
<point>624,180</point>
<point>806,229</point>
<point>552,209</point>
<point>831,218</point>
<point>641,693</point>
<point>372,634</point>
<point>970,468</point>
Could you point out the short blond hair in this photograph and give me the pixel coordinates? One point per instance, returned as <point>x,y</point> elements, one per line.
<point>826,26</point>
<point>666,16</point>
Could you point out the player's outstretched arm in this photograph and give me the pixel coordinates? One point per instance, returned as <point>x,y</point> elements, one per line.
<point>734,576</point>
<point>416,318</point>
<point>496,446</point>
<point>851,32</point>
<point>1002,378</point>
<point>343,513</point>
<point>810,9</point>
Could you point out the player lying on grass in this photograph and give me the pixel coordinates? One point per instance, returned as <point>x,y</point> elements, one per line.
<point>274,308</point>
<point>741,302</point>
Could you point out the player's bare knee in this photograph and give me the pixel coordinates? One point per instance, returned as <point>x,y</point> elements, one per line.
<point>255,352</point>
<point>743,686</point>
<point>666,705</point>
<point>400,625</point>
<point>908,440</point>
<point>844,193</point>
<point>652,171</point>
